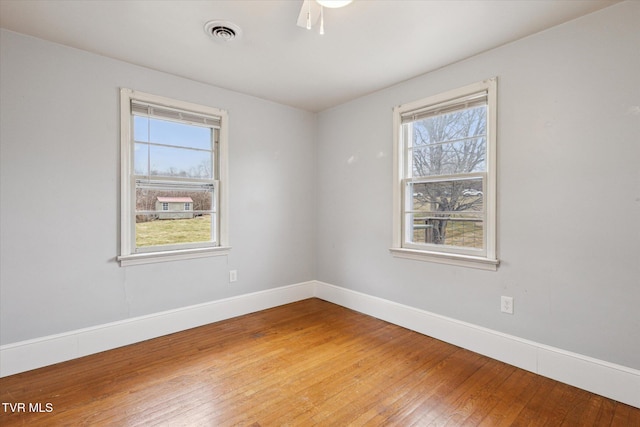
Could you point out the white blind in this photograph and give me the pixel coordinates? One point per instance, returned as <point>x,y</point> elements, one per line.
<point>145,109</point>
<point>463,103</point>
<point>174,186</point>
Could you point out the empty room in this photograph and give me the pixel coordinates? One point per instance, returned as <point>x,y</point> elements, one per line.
<point>312,212</point>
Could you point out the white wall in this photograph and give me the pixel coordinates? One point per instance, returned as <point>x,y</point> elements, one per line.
<point>59,187</point>
<point>569,191</point>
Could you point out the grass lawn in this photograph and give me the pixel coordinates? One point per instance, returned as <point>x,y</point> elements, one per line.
<point>464,234</point>
<point>172,231</point>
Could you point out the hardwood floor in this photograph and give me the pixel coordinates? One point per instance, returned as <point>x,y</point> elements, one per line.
<point>302,364</point>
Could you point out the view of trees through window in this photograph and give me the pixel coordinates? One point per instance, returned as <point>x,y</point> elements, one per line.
<point>444,196</point>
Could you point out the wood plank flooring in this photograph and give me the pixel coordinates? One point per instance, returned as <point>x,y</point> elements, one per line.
<point>303,364</point>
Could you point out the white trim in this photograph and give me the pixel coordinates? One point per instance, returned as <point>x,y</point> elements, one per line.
<point>127,223</point>
<point>223,186</point>
<point>597,376</point>
<point>36,353</point>
<point>172,255</point>
<point>447,258</point>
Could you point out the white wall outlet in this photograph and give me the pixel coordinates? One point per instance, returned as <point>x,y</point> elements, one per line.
<point>233,276</point>
<point>506,304</point>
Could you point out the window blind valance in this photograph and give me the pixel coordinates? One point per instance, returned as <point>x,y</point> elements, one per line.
<point>145,109</point>
<point>470,101</point>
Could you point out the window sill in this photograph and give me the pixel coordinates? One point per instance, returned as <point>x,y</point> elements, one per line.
<point>444,258</point>
<point>175,255</point>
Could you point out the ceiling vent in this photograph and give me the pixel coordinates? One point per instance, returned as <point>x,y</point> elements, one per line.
<point>223,31</point>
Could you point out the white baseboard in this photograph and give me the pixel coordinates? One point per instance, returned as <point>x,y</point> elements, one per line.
<point>607,379</point>
<point>36,353</point>
<point>597,376</point>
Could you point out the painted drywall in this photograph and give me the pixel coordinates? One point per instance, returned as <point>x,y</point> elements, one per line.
<point>59,193</point>
<point>569,191</point>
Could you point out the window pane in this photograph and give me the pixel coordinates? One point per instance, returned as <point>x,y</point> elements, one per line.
<point>161,217</point>
<point>165,148</point>
<point>140,129</point>
<point>446,213</point>
<point>169,161</point>
<point>199,199</point>
<point>183,135</point>
<point>457,125</point>
<point>141,159</point>
<point>449,159</point>
<point>460,230</point>
<point>155,232</point>
<point>166,132</point>
<point>446,196</point>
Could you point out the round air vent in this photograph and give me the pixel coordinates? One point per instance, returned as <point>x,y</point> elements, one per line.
<point>224,31</point>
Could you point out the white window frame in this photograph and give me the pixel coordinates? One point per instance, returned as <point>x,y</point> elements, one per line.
<point>128,255</point>
<point>487,259</point>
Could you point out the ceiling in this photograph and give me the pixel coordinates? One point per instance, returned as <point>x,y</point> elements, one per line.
<point>368,45</point>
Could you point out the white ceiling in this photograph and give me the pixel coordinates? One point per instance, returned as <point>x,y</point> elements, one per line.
<point>367,46</point>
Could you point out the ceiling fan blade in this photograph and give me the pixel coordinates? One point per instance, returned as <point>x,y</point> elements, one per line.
<point>311,8</point>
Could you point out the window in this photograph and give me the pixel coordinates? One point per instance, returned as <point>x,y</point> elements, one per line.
<point>445,178</point>
<point>173,160</point>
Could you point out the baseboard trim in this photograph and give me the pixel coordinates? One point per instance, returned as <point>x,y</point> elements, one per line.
<point>597,376</point>
<point>606,379</point>
<point>36,353</point>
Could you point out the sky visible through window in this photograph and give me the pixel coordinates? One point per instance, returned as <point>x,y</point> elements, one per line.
<point>167,148</point>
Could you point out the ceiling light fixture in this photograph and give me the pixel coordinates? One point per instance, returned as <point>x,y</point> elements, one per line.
<point>313,10</point>
<point>334,4</point>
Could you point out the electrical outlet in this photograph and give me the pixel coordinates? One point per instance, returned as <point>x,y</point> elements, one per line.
<point>233,276</point>
<point>506,304</point>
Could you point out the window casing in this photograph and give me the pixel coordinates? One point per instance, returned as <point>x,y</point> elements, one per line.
<point>445,178</point>
<point>173,160</point>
